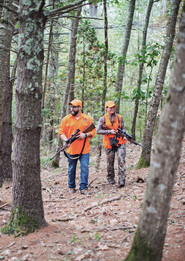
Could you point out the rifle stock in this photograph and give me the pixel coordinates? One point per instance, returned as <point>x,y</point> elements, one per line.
<point>106,127</point>
<point>89,128</point>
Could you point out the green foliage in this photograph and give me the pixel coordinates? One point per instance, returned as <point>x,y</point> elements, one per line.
<point>97,236</point>
<point>90,61</point>
<point>149,54</point>
<point>93,221</point>
<point>74,239</point>
<point>20,224</point>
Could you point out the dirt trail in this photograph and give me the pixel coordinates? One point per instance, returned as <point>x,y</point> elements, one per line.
<point>98,226</point>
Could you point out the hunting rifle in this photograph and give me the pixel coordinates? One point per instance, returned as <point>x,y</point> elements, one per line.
<point>124,134</point>
<point>74,137</point>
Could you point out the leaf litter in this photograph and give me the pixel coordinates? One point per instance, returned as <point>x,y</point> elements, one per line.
<point>97,226</point>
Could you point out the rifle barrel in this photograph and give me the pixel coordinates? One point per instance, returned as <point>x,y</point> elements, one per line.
<point>63,148</point>
<point>130,139</point>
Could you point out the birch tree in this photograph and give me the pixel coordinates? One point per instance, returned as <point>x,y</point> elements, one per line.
<point>149,239</point>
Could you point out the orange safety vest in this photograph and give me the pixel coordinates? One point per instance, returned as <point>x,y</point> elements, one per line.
<point>68,127</point>
<point>116,124</point>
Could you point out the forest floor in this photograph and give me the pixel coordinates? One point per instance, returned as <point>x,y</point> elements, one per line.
<point>99,226</point>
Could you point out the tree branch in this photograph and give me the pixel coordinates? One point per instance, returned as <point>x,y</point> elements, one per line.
<point>9,9</point>
<point>68,8</point>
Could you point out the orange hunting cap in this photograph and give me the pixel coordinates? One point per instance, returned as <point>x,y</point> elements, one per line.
<point>110,104</point>
<point>76,102</point>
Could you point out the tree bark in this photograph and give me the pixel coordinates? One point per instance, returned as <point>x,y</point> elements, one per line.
<point>141,66</point>
<point>105,56</point>
<point>70,76</point>
<point>6,139</point>
<point>7,23</point>
<point>99,146</point>
<point>47,62</point>
<point>144,160</point>
<point>93,9</point>
<point>149,239</point>
<point>27,197</point>
<point>1,7</point>
<point>6,30</point>
<point>121,67</point>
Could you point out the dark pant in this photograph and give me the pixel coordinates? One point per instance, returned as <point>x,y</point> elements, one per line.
<point>84,171</point>
<point>121,153</point>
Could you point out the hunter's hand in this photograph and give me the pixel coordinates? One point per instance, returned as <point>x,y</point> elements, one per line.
<point>113,132</point>
<point>81,136</point>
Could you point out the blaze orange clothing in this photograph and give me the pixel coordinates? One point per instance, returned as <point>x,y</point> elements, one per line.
<point>116,124</point>
<point>69,125</point>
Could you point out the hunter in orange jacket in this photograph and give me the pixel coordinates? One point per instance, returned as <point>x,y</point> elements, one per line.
<point>69,125</point>
<point>80,148</point>
<point>113,121</point>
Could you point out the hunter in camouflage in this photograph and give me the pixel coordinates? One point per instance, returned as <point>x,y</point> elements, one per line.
<point>113,143</point>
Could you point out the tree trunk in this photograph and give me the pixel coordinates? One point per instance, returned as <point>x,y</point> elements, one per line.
<point>47,63</point>
<point>84,75</point>
<point>6,32</point>
<point>6,140</point>
<point>141,66</point>
<point>27,205</point>
<point>144,160</point>
<point>99,146</point>
<point>147,94</point>
<point>1,7</point>
<point>70,77</point>
<point>93,9</point>
<point>121,67</point>
<point>149,239</point>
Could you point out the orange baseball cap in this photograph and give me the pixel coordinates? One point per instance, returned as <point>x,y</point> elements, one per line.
<point>76,102</point>
<point>110,104</point>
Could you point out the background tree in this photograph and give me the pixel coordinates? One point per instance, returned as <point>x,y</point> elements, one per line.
<point>144,160</point>
<point>6,30</point>
<point>7,23</point>
<point>99,147</point>
<point>122,58</point>
<point>149,239</point>
<point>141,66</point>
<point>70,75</point>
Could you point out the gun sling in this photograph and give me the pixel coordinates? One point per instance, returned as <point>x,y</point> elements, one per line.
<point>77,156</point>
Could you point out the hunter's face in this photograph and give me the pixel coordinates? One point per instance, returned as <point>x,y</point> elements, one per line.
<point>75,110</point>
<point>110,110</point>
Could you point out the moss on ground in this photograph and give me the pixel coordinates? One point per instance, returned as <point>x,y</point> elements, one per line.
<point>20,223</point>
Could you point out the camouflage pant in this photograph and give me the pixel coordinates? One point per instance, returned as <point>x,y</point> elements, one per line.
<point>121,153</point>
